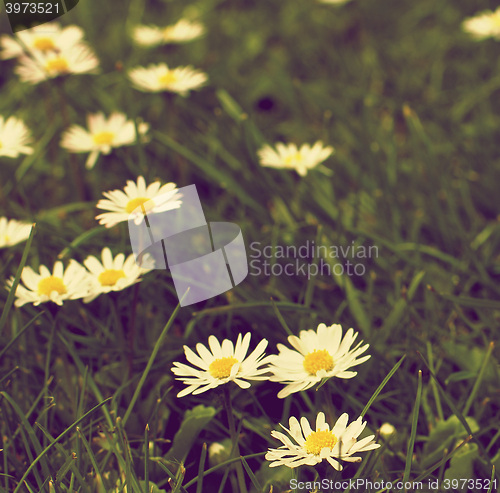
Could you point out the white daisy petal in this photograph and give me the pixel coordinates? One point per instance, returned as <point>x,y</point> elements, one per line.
<point>290,157</point>
<point>14,135</point>
<point>318,354</point>
<point>318,445</point>
<point>158,78</point>
<point>57,286</point>
<point>222,364</point>
<point>125,205</point>
<point>12,232</point>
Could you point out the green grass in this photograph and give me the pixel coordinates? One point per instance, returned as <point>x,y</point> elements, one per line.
<point>411,106</point>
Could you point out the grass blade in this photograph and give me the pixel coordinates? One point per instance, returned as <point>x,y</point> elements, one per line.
<point>479,379</point>
<point>201,468</point>
<point>281,319</point>
<point>12,292</point>
<point>382,385</point>
<point>92,460</point>
<point>151,360</point>
<point>254,480</point>
<point>62,435</point>
<point>14,339</point>
<point>411,443</point>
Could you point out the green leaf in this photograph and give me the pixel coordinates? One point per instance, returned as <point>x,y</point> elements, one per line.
<point>232,108</point>
<point>443,436</point>
<point>194,421</point>
<point>276,477</point>
<point>461,465</point>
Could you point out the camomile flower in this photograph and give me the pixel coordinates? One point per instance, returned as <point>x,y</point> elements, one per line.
<point>40,39</point>
<point>77,59</point>
<point>56,287</point>
<point>14,135</point>
<point>181,32</point>
<point>317,355</point>
<point>311,447</point>
<point>157,78</point>
<point>13,232</point>
<point>483,25</point>
<point>124,205</point>
<point>222,364</point>
<point>113,275</point>
<point>102,135</point>
<point>289,157</point>
<point>335,2</point>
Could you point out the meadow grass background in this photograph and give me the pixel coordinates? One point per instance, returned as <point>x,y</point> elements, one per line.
<point>411,106</point>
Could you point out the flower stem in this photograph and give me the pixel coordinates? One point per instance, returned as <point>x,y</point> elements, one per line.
<point>77,174</point>
<point>234,438</point>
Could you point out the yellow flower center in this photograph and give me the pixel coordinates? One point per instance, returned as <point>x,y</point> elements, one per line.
<point>168,79</point>
<point>0,144</point>
<point>167,33</point>
<point>49,284</point>
<point>44,44</point>
<point>4,240</point>
<point>103,138</point>
<point>318,360</point>
<point>293,158</point>
<point>110,276</point>
<point>58,65</point>
<point>318,440</point>
<point>134,203</point>
<point>221,368</point>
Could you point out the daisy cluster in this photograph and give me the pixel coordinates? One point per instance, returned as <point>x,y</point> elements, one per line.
<point>95,276</point>
<point>50,51</point>
<point>314,357</point>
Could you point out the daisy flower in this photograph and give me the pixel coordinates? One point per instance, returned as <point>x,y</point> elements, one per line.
<point>155,198</point>
<point>157,78</point>
<point>56,287</point>
<point>311,447</point>
<point>13,232</point>
<point>335,2</point>
<point>483,25</point>
<point>77,59</point>
<point>289,157</point>
<point>102,135</point>
<point>112,275</point>
<point>14,135</point>
<point>222,364</point>
<point>40,39</point>
<point>318,355</point>
<point>181,32</point>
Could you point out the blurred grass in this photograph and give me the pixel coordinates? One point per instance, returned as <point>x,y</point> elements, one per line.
<point>411,106</point>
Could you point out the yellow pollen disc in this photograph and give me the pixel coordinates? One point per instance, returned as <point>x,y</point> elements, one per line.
<point>58,65</point>
<point>168,78</point>
<point>103,138</point>
<point>167,33</point>
<point>221,368</point>
<point>294,158</point>
<point>110,276</point>
<point>44,44</point>
<point>49,284</point>
<point>318,440</point>
<point>5,240</point>
<point>318,360</point>
<point>134,203</point>
<point>0,144</point>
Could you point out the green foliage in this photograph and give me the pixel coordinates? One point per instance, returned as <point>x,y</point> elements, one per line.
<point>410,104</point>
